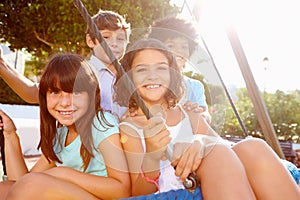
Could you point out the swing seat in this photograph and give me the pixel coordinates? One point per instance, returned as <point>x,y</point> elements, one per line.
<point>183,194</point>
<point>180,194</point>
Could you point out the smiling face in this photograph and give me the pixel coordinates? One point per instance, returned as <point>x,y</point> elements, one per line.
<point>116,40</point>
<point>67,107</point>
<point>180,47</point>
<point>151,75</point>
<point>154,71</point>
<point>68,90</point>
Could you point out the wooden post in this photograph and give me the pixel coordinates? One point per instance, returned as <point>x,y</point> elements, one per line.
<point>254,94</point>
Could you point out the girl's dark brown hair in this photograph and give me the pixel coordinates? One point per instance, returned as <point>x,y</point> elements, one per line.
<point>123,93</point>
<point>69,73</point>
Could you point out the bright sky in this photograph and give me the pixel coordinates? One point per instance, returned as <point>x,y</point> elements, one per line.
<point>266,29</point>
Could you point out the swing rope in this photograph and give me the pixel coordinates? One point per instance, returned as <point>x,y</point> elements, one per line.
<point>92,26</point>
<point>186,194</point>
<point>226,91</point>
<point>243,127</point>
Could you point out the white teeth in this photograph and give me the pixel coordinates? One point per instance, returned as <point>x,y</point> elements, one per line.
<point>152,86</point>
<point>66,112</point>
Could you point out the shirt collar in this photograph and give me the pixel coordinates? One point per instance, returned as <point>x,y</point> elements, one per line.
<point>97,63</point>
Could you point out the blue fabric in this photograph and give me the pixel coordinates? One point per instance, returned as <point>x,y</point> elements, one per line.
<point>70,155</point>
<point>186,195</point>
<point>195,92</point>
<point>295,172</point>
<point>180,194</point>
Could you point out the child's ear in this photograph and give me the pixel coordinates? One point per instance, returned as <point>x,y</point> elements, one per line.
<point>89,41</point>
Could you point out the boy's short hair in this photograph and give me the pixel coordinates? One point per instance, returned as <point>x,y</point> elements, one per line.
<point>175,26</point>
<point>107,19</point>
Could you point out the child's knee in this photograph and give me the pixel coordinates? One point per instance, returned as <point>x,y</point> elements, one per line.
<point>254,149</point>
<point>250,146</point>
<point>29,182</point>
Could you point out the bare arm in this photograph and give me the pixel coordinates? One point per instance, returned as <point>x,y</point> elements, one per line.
<point>115,186</point>
<point>15,163</point>
<point>138,159</point>
<point>22,86</point>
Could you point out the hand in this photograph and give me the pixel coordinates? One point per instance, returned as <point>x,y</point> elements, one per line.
<point>190,106</point>
<point>129,113</point>
<point>7,124</point>
<point>157,137</point>
<point>187,158</point>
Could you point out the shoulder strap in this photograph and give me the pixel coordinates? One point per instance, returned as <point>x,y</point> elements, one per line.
<point>131,126</point>
<point>138,130</point>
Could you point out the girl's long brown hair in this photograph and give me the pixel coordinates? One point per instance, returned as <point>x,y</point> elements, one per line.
<point>69,73</point>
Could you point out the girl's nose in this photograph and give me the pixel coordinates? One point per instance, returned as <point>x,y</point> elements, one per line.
<point>153,74</point>
<point>66,99</point>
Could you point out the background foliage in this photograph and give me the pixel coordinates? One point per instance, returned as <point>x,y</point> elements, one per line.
<point>43,27</point>
<point>283,110</point>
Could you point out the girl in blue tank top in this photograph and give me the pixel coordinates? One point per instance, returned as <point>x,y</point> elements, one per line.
<point>82,157</point>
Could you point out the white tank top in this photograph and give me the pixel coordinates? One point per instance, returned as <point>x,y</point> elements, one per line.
<point>168,180</point>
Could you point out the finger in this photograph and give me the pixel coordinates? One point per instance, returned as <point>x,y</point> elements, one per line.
<point>177,152</point>
<point>193,106</point>
<point>184,168</point>
<point>194,157</point>
<point>157,124</point>
<point>175,162</point>
<point>196,163</point>
<point>187,103</point>
<point>159,140</point>
<point>165,139</point>
<point>158,150</point>
<point>164,157</point>
<point>199,109</point>
<point>185,173</point>
<point>157,110</point>
<point>7,123</point>
<point>189,161</point>
<point>182,165</point>
<point>133,113</point>
<point>195,152</point>
<point>4,116</point>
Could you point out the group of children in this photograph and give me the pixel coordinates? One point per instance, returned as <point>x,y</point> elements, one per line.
<point>97,143</point>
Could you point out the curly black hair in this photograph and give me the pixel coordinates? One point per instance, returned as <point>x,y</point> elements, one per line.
<point>173,27</point>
